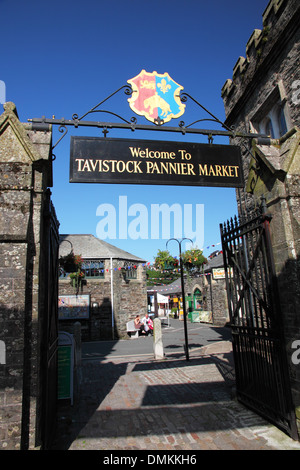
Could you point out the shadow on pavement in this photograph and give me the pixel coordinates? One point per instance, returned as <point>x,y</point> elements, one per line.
<point>155,410</point>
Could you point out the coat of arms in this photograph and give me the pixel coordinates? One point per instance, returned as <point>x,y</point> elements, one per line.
<point>156,96</point>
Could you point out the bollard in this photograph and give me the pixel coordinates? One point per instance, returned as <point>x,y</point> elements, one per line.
<point>158,348</point>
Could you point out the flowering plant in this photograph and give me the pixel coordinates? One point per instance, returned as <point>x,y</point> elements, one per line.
<point>164,260</point>
<point>70,262</point>
<point>193,258</point>
<point>76,278</point>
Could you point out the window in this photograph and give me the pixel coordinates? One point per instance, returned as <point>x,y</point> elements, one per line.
<point>272,116</point>
<point>274,124</point>
<point>93,268</point>
<point>269,128</point>
<point>282,122</point>
<point>131,273</point>
<point>129,270</point>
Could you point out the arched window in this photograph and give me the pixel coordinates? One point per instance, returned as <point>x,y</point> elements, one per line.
<point>197,299</point>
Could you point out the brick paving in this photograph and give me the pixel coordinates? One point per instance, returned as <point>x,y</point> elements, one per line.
<point>130,404</point>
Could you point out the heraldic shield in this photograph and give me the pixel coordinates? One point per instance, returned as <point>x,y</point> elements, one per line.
<point>156,96</point>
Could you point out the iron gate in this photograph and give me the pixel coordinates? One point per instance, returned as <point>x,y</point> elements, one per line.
<point>262,380</point>
<point>49,323</point>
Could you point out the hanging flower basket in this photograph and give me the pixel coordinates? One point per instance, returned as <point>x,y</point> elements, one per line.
<point>193,259</point>
<point>70,263</point>
<point>165,261</point>
<point>171,264</point>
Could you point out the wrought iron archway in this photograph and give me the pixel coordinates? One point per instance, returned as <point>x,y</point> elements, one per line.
<point>43,123</point>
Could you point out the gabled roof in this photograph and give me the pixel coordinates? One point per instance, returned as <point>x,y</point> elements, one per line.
<point>215,262</point>
<point>13,131</point>
<point>90,247</point>
<point>20,144</point>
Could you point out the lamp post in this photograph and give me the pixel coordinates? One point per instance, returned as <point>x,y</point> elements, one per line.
<point>183,296</point>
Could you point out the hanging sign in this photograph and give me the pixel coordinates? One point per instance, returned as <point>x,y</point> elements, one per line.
<point>103,160</point>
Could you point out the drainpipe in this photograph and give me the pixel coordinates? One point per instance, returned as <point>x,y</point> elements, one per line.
<point>211,297</point>
<point>112,298</point>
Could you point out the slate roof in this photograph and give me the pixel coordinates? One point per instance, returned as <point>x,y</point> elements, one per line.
<point>173,288</point>
<point>216,262</point>
<point>90,247</point>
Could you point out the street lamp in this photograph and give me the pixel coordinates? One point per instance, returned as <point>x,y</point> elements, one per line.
<point>183,296</point>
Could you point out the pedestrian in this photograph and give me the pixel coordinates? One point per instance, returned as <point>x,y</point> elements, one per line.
<point>148,324</point>
<point>139,325</point>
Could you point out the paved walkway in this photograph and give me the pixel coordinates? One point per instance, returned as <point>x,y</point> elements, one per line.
<point>137,403</point>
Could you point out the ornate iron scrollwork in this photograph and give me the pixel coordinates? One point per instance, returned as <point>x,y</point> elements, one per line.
<point>64,130</point>
<point>132,124</point>
<point>127,91</point>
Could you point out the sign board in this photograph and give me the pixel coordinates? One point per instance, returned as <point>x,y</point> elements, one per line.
<point>103,160</point>
<point>162,299</point>
<point>73,307</point>
<point>65,368</point>
<point>219,273</point>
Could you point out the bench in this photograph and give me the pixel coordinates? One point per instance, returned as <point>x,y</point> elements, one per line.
<point>130,326</point>
<point>165,317</point>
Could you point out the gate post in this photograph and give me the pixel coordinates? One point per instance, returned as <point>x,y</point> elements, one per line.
<point>25,174</point>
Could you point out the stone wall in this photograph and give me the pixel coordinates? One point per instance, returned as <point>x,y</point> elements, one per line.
<point>129,300</point>
<point>214,295</point>
<point>271,64</point>
<point>270,74</point>
<point>219,305</point>
<point>25,174</point>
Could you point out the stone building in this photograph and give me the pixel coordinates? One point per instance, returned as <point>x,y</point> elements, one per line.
<point>113,289</point>
<point>25,210</point>
<point>215,289</point>
<point>264,96</point>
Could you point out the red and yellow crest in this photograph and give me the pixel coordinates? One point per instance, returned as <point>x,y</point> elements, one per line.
<point>156,96</point>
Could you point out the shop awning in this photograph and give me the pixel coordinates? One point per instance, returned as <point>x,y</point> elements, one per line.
<point>162,299</point>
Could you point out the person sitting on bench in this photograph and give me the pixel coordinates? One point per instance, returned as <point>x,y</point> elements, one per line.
<point>148,324</point>
<point>139,325</point>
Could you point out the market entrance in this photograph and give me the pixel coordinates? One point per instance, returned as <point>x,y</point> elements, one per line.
<point>105,160</point>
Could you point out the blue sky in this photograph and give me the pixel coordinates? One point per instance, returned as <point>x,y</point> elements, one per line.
<point>60,58</point>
